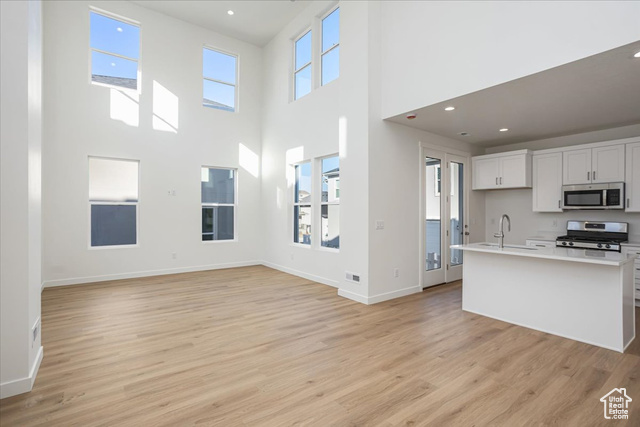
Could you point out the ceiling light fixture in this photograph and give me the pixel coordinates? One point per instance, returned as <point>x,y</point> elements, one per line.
<point>464,133</point>
<point>230,12</point>
<point>637,55</point>
<point>504,130</point>
<point>449,108</point>
<point>411,116</point>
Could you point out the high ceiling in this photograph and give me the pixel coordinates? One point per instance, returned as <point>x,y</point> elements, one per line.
<point>594,93</point>
<point>255,22</point>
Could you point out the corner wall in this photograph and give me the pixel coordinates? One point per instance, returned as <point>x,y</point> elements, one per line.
<point>82,119</point>
<point>20,200</point>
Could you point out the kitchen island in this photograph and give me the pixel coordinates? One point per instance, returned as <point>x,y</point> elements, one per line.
<point>584,295</point>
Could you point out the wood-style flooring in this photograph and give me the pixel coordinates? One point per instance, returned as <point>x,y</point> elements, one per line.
<point>254,346</point>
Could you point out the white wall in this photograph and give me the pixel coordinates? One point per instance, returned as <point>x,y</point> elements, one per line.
<point>518,204</point>
<point>78,123</point>
<point>438,50</point>
<point>20,219</point>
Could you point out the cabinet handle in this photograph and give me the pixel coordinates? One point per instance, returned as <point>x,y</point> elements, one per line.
<point>496,180</point>
<point>594,175</point>
<point>588,176</point>
<point>558,204</point>
<point>627,202</point>
<point>500,180</point>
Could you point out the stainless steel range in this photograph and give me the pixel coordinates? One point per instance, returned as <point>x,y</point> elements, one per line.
<point>606,236</point>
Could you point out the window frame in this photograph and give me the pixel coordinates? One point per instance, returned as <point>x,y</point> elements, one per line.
<point>323,53</point>
<point>327,203</point>
<point>309,64</point>
<point>138,61</point>
<point>102,203</point>
<point>213,205</point>
<point>309,204</point>
<point>235,86</point>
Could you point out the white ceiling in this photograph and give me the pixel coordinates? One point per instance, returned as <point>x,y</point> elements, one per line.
<point>595,93</point>
<point>255,22</point>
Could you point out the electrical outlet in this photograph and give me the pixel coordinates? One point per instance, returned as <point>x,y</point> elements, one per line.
<point>555,223</point>
<point>174,255</point>
<point>396,272</point>
<point>379,225</point>
<point>493,221</point>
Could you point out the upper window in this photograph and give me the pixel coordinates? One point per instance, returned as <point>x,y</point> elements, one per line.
<point>219,86</point>
<point>302,204</point>
<point>302,73</point>
<point>113,200</point>
<point>331,47</point>
<point>115,49</point>
<point>218,189</point>
<point>330,203</point>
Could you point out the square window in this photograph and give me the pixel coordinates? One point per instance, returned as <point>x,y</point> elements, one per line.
<point>115,50</point>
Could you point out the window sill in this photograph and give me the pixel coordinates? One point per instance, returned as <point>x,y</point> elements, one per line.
<point>331,250</point>
<point>208,242</point>
<point>100,248</point>
<point>301,245</point>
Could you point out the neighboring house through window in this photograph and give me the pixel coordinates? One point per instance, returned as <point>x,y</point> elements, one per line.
<point>115,49</point>
<point>331,47</point>
<point>113,201</point>
<point>302,204</point>
<point>219,72</point>
<point>330,203</point>
<point>302,61</point>
<point>218,192</point>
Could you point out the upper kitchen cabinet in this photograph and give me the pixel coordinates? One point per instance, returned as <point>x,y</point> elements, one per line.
<point>502,170</point>
<point>547,182</point>
<point>593,165</point>
<point>633,178</point>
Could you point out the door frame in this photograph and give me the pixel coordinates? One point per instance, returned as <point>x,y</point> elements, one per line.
<point>448,152</point>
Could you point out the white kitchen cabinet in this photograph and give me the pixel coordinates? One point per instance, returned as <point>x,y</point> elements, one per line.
<point>541,243</point>
<point>631,250</point>
<point>632,181</point>
<point>593,165</point>
<point>503,170</point>
<point>547,182</point>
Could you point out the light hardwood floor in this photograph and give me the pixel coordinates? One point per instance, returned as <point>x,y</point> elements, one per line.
<point>254,346</point>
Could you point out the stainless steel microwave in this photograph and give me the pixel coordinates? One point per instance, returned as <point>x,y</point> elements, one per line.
<point>593,196</point>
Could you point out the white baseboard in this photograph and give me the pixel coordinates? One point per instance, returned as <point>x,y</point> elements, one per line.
<point>22,385</point>
<point>380,297</point>
<point>137,274</point>
<point>302,274</point>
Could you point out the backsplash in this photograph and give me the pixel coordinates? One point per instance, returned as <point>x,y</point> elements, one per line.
<point>526,223</point>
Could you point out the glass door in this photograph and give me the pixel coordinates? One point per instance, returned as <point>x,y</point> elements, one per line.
<point>444,217</point>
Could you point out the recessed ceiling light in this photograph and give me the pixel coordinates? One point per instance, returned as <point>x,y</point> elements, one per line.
<point>637,55</point>
<point>229,12</point>
<point>449,108</point>
<point>464,133</point>
<point>504,130</point>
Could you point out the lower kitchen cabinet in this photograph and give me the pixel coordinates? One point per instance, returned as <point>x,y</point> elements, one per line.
<point>634,250</point>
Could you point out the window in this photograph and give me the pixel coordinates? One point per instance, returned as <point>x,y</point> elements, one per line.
<point>331,47</point>
<point>302,204</point>
<point>115,49</point>
<point>218,187</point>
<point>113,200</point>
<point>302,74</point>
<point>219,80</point>
<point>330,203</point>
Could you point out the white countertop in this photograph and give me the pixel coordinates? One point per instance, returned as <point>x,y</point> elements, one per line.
<point>555,253</point>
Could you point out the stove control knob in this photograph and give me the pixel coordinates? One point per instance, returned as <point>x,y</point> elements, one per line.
<point>564,243</point>
<point>599,245</point>
<point>570,243</point>
<point>608,246</point>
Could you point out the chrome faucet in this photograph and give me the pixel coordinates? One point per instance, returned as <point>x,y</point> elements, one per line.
<point>500,234</point>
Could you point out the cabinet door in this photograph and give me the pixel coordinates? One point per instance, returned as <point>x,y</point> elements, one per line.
<point>485,173</point>
<point>515,172</point>
<point>608,164</point>
<point>547,182</point>
<point>632,181</point>
<point>576,167</point>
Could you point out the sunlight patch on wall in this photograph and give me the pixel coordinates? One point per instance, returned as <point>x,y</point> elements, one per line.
<point>125,107</point>
<point>279,197</point>
<point>165,109</point>
<point>249,160</point>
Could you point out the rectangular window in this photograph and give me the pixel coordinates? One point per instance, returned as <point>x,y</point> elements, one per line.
<point>219,72</point>
<point>302,204</point>
<point>331,47</point>
<point>113,200</point>
<point>218,189</point>
<point>302,73</point>
<point>330,203</point>
<point>115,49</point>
